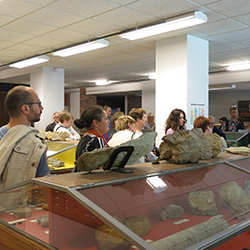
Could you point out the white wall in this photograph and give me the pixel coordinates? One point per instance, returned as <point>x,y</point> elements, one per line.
<point>74,101</point>
<point>221,101</point>
<point>148,96</point>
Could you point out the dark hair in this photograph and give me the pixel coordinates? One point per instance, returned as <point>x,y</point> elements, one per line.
<point>15,98</point>
<point>201,122</point>
<point>173,120</point>
<point>94,112</point>
<point>223,118</point>
<point>137,113</point>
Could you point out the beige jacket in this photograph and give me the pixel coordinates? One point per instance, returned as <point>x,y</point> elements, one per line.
<point>20,153</point>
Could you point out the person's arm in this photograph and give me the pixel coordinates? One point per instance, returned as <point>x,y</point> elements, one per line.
<point>74,135</point>
<point>240,124</point>
<point>220,133</point>
<point>42,168</point>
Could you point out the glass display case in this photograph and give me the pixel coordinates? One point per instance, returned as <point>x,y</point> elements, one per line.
<point>191,206</point>
<point>236,139</point>
<point>63,151</point>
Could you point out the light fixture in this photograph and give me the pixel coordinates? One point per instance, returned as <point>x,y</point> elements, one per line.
<point>30,62</point>
<point>102,82</point>
<point>152,76</point>
<point>98,44</point>
<point>180,22</point>
<point>241,66</point>
<point>223,88</point>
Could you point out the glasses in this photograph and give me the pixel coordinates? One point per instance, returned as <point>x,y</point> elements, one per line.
<point>30,103</point>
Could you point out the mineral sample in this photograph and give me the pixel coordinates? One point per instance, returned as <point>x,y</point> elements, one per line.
<point>215,142</point>
<point>140,225</point>
<point>246,188</point>
<point>99,157</point>
<point>202,203</point>
<point>188,146</point>
<point>43,220</point>
<point>109,239</point>
<point>229,191</point>
<point>171,211</point>
<point>55,136</point>
<point>55,162</point>
<point>238,150</point>
<point>22,212</point>
<point>240,208</point>
<point>190,236</point>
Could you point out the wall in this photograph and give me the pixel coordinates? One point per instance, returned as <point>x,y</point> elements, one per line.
<point>148,96</point>
<point>221,101</point>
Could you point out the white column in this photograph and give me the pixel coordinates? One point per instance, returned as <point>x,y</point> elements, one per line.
<point>49,84</point>
<point>148,96</point>
<point>182,78</point>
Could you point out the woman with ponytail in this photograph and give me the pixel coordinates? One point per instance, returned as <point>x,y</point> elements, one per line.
<point>95,120</point>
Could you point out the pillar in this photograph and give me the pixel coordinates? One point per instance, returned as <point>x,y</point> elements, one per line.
<point>181,79</point>
<point>49,85</point>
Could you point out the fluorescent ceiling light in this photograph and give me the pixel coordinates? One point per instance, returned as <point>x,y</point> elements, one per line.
<point>152,76</point>
<point>30,62</point>
<point>102,82</point>
<point>239,67</point>
<point>232,87</point>
<point>188,20</point>
<point>82,48</point>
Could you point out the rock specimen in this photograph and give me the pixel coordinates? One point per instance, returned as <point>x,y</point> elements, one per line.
<point>202,203</point>
<point>55,162</point>
<point>171,211</point>
<point>109,239</point>
<point>239,150</point>
<point>229,191</point>
<point>43,220</point>
<point>140,225</point>
<point>22,212</point>
<point>216,143</point>
<point>99,157</point>
<point>246,188</point>
<point>189,146</point>
<point>55,136</point>
<point>192,235</point>
<point>240,208</point>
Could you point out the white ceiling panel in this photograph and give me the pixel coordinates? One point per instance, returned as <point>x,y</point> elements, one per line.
<point>204,2</point>
<point>236,36</point>
<point>226,47</point>
<point>13,36</point>
<point>42,3</point>
<point>243,19</point>
<point>5,44</point>
<point>25,48</point>
<point>46,43</point>
<point>17,8</point>
<point>84,8</point>
<point>123,2</point>
<point>5,19</point>
<point>238,53</point>
<point>53,17</point>
<point>163,8</point>
<point>27,27</point>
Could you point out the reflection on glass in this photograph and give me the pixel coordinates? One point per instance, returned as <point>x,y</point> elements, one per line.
<point>157,184</point>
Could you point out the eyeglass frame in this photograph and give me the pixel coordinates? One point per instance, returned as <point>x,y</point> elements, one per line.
<point>30,103</point>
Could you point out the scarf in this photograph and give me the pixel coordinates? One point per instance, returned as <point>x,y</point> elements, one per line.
<point>90,131</point>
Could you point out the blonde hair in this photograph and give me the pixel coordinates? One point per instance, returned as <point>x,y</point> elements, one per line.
<point>65,115</point>
<point>122,122</point>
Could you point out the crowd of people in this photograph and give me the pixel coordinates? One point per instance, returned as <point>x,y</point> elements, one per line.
<point>18,139</point>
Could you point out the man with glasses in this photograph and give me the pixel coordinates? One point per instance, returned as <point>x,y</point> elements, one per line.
<point>22,147</point>
<point>51,126</point>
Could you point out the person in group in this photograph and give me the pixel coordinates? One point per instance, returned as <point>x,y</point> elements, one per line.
<point>125,127</point>
<point>214,128</point>
<point>95,120</point>
<point>139,116</point>
<point>233,124</point>
<point>108,111</point>
<point>221,121</point>
<point>51,126</point>
<point>204,123</point>
<point>116,115</point>
<point>150,124</point>
<point>22,148</point>
<point>176,121</point>
<point>65,125</point>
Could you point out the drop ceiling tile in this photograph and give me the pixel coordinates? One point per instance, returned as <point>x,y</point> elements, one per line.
<point>204,2</point>
<point>245,43</point>
<point>13,36</point>
<point>163,8</point>
<point>27,50</point>
<point>53,17</point>
<point>230,8</point>
<point>28,27</point>
<point>12,53</point>
<point>67,35</point>
<point>243,19</point>
<point>238,53</point>
<point>5,44</point>
<point>45,42</point>
<point>123,2</point>
<point>93,27</point>
<point>235,35</point>
<point>5,19</point>
<point>125,17</point>
<point>219,27</point>
<point>43,2</point>
<point>225,47</point>
<point>84,8</point>
<point>17,8</point>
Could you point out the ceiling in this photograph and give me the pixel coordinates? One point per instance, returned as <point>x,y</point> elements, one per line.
<point>33,27</point>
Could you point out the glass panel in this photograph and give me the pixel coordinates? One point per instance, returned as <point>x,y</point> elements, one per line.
<point>54,217</point>
<point>245,163</point>
<point>180,201</point>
